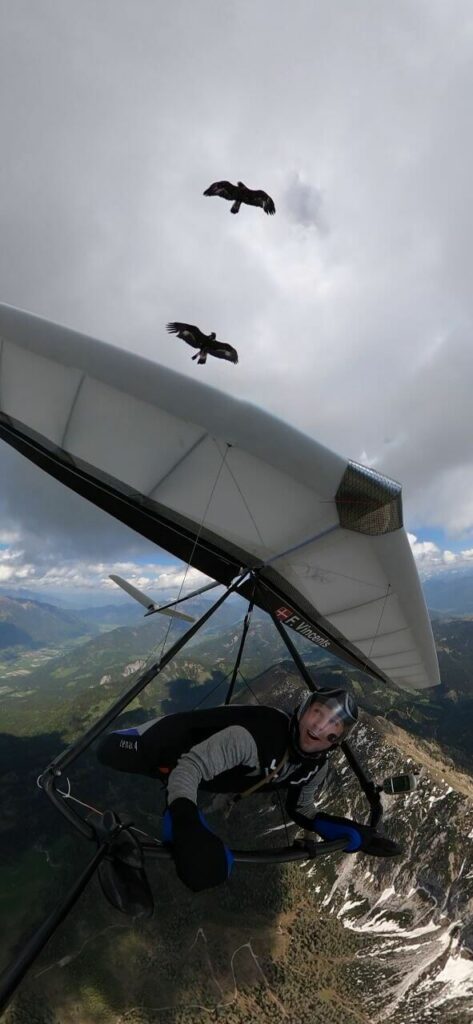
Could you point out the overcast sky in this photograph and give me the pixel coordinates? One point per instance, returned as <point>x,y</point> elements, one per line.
<point>351,308</point>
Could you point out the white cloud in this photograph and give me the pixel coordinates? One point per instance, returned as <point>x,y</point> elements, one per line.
<point>432,559</point>
<point>426,553</point>
<point>48,574</point>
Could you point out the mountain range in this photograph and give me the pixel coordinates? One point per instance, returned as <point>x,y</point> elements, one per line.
<point>345,938</point>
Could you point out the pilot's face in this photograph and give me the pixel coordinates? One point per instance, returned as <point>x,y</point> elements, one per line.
<point>319,728</point>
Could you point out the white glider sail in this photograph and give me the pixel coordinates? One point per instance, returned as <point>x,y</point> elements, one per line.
<point>223,486</point>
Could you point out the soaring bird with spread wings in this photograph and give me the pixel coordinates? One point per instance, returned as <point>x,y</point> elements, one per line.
<point>207,344</point>
<point>239,194</point>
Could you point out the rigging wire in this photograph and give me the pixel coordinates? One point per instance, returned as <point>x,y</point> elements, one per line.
<point>152,652</point>
<point>311,570</point>
<point>95,810</point>
<point>368,656</point>
<point>196,540</point>
<point>242,496</point>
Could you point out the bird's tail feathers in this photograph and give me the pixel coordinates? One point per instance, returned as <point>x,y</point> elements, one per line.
<point>202,357</point>
<point>235,208</point>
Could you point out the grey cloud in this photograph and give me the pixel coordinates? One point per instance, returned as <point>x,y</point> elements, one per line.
<point>356,118</point>
<point>54,523</point>
<point>304,204</point>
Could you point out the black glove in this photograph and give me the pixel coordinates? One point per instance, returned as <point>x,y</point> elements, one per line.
<point>202,859</point>
<point>359,837</point>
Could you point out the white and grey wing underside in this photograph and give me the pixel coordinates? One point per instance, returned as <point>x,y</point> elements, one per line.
<point>326,532</point>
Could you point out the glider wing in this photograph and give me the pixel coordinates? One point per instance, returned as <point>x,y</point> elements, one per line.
<point>222,485</point>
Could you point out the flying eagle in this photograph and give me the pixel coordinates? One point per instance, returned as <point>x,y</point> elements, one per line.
<point>206,343</point>
<point>239,194</point>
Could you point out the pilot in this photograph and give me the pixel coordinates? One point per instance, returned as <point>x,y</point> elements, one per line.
<point>239,749</point>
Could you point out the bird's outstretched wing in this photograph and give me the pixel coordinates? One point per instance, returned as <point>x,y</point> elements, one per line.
<point>225,189</point>
<point>256,197</point>
<point>221,350</point>
<point>206,344</point>
<point>188,333</point>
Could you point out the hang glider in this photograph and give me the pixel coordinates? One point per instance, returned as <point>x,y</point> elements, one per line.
<point>312,538</point>
<point>165,609</point>
<point>240,193</point>
<point>207,344</point>
<point>223,486</point>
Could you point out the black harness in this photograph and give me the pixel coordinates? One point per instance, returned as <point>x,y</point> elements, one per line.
<point>154,748</point>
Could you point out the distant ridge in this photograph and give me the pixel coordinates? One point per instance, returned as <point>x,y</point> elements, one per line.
<point>450,592</point>
<point>29,624</point>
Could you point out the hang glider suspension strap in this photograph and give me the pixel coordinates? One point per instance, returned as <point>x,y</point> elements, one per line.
<point>244,635</point>
<point>263,782</point>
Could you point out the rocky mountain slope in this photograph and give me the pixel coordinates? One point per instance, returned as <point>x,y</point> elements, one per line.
<point>347,938</point>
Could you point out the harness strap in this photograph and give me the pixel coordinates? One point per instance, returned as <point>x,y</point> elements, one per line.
<point>265,781</point>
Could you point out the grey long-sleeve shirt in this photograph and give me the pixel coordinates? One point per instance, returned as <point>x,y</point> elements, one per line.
<point>230,748</point>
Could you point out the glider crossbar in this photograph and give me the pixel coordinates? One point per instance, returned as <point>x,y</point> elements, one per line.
<point>283,855</point>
